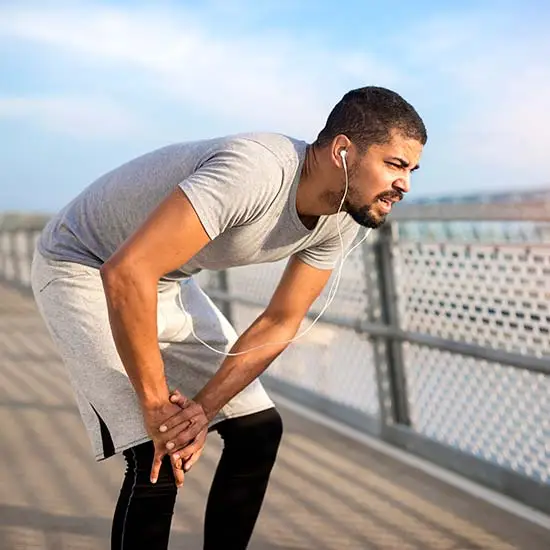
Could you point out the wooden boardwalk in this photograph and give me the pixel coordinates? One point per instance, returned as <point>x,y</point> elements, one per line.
<point>327,492</point>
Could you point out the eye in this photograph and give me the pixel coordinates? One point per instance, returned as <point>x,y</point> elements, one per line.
<point>393,164</point>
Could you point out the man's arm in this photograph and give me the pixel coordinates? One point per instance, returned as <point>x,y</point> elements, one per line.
<point>300,285</point>
<point>171,235</point>
<point>231,187</point>
<point>212,199</point>
<point>168,239</point>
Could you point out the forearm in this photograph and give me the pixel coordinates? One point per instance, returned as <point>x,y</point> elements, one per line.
<point>238,371</point>
<point>132,305</point>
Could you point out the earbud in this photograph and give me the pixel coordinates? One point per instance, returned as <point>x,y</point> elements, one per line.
<point>343,155</point>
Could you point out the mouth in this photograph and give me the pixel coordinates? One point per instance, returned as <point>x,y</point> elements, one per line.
<point>385,205</point>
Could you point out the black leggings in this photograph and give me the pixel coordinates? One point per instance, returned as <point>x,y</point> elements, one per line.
<point>143,514</point>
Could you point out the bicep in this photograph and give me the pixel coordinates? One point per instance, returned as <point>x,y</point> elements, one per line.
<point>170,236</point>
<point>300,285</point>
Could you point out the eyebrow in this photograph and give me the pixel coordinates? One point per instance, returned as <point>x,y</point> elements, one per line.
<point>405,164</point>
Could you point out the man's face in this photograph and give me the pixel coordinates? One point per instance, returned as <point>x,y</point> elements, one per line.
<point>381,177</point>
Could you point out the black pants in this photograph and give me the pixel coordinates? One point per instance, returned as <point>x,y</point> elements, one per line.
<point>143,514</point>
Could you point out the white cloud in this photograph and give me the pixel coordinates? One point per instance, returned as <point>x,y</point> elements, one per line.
<point>77,117</point>
<point>480,78</point>
<point>512,125</point>
<point>493,66</point>
<point>257,79</point>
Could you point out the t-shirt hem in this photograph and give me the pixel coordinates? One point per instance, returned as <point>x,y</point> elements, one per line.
<point>69,258</point>
<point>200,210</point>
<point>317,264</point>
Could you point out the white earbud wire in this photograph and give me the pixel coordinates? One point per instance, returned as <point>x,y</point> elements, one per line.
<point>333,287</point>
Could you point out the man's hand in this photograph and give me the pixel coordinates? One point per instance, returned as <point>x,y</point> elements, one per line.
<point>185,432</point>
<point>153,418</point>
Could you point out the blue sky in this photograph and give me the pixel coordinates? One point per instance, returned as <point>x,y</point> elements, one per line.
<point>87,85</point>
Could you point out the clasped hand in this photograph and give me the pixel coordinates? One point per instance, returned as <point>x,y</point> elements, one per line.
<point>178,429</point>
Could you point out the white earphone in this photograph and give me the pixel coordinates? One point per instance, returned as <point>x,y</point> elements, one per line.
<point>333,286</point>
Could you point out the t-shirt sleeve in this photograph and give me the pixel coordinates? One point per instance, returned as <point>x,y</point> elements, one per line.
<point>326,254</point>
<point>234,186</point>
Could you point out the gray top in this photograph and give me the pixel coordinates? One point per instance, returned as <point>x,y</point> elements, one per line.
<point>242,187</point>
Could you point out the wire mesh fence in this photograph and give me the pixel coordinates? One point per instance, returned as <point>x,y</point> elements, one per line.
<point>468,295</point>
<point>479,293</point>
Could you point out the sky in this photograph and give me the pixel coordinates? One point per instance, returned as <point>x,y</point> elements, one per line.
<point>87,85</point>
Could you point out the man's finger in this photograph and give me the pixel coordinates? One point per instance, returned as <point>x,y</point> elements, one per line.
<point>179,418</point>
<point>187,452</point>
<point>184,437</point>
<point>192,459</point>
<point>155,468</point>
<point>178,398</point>
<point>172,421</point>
<point>173,426</point>
<point>179,476</point>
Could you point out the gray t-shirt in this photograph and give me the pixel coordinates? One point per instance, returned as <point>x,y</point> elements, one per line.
<point>242,187</point>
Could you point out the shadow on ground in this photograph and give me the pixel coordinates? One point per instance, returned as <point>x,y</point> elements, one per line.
<point>327,492</point>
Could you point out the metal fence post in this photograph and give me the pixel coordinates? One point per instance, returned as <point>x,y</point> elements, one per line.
<point>3,254</point>
<point>390,316</point>
<point>31,239</point>
<point>373,313</point>
<point>383,308</point>
<point>11,268</point>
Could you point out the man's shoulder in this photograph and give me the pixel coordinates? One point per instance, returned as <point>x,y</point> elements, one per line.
<point>285,148</point>
<point>286,151</point>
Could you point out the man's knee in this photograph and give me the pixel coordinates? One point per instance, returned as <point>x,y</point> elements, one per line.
<point>272,426</point>
<point>257,435</point>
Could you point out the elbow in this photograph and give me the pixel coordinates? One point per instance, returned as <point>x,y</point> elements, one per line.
<point>119,278</point>
<point>116,277</point>
<point>111,280</point>
<point>109,273</point>
<point>105,270</point>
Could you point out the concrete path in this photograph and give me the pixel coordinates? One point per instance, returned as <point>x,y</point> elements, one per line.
<point>327,492</point>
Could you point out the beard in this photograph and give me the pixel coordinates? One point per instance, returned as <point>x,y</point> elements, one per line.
<point>366,216</point>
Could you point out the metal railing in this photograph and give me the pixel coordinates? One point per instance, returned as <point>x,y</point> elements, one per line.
<point>18,235</point>
<point>453,335</point>
<point>438,346</point>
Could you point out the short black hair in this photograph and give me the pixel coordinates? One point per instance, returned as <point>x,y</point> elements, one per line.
<point>369,115</point>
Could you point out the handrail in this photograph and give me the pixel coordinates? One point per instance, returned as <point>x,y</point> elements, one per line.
<point>517,360</point>
<point>537,211</point>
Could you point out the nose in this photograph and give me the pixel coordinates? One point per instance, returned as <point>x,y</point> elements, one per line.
<point>403,184</point>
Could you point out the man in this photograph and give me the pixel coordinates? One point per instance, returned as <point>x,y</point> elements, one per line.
<point>113,278</point>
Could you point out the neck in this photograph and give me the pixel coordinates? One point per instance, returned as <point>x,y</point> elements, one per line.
<point>314,188</point>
